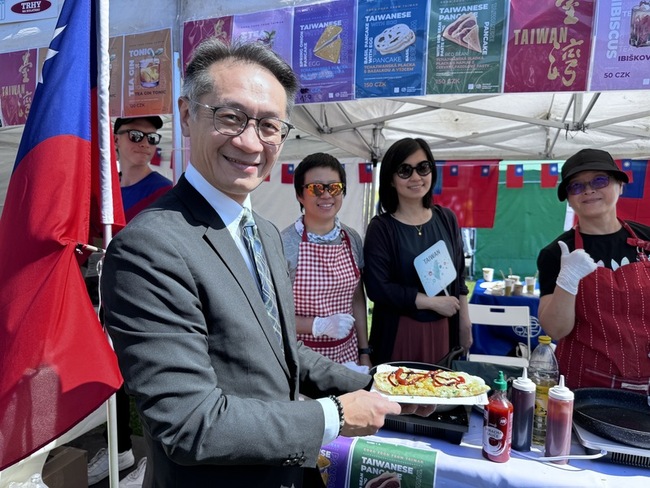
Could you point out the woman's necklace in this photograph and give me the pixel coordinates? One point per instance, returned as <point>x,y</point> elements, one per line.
<point>404,220</point>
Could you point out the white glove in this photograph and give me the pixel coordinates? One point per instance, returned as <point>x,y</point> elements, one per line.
<point>573,267</point>
<point>336,326</point>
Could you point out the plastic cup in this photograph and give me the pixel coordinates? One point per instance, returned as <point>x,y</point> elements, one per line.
<point>530,284</point>
<point>516,278</point>
<point>518,289</point>
<point>488,274</point>
<point>509,286</point>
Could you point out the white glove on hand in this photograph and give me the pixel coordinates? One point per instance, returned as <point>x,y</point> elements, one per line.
<point>336,326</point>
<point>573,267</point>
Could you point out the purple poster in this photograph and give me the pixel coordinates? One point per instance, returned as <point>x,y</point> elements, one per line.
<point>391,57</point>
<point>549,42</point>
<point>622,54</point>
<point>333,462</point>
<point>195,31</point>
<point>323,51</point>
<point>17,85</point>
<point>272,28</point>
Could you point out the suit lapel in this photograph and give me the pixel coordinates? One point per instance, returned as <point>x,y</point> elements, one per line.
<point>219,238</point>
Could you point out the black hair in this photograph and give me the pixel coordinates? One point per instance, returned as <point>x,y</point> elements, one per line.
<point>198,80</point>
<point>395,155</point>
<point>316,160</point>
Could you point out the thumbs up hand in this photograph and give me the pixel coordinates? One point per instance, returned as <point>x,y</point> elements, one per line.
<point>573,267</point>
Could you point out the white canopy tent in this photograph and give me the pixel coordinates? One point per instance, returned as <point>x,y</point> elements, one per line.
<point>526,126</point>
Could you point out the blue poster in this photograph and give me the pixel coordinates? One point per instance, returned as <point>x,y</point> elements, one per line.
<point>323,54</point>
<point>391,48</point>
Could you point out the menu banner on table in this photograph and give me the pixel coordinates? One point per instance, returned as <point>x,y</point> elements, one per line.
<point>466,43</point>
<point>148,78</point>
<point>391,48</point>
<point>549,43</point>
<point>621,58</point>
<point>272,28</point>
<point>362,462</point>
<point>18,78</point>
<point>116,63</point>
<point>195,31</point>
<point>323,55</point>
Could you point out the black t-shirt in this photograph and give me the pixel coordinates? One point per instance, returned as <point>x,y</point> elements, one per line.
<point>611,249</point>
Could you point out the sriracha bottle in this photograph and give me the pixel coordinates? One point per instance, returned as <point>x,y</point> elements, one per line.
<point>497,424</point>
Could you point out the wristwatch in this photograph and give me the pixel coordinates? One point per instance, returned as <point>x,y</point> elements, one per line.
<point>365,350</point>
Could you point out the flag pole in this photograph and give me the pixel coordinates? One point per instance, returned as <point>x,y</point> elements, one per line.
<point>106,185</point>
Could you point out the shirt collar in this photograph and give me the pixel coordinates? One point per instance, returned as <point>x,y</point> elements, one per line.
<point>228,209</point>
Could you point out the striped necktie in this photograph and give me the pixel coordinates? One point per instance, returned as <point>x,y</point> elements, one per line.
<point>256,252</point>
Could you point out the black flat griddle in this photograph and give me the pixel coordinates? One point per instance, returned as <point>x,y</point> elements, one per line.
<point>617,415</point>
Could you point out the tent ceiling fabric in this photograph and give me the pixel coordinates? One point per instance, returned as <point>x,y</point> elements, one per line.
<point>508,126</point>
<point>458,127</point>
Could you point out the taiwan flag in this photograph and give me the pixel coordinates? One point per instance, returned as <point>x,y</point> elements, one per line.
<point>515,176</point>
<point>474,196</point>
<point>626,166</point>
<point>450,175</point>
<point>365,173</point>
<point>634,202</point>
<point>549,175</point>
<point>287,173</point>
<point>56,364</point>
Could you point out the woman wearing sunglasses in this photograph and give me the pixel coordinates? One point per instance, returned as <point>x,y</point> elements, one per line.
<point>325,258</point>
<point>595,282</point>
<point>407,324</point>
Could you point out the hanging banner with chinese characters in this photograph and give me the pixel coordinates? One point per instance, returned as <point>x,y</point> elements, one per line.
<point>17,84</point>
<point>622,46</point>
<point>195,31</point>
<point>391,47</point>
<point>323,55</point>
<point>549,42</point>
<point>466,46</point>
<point>147,85</point>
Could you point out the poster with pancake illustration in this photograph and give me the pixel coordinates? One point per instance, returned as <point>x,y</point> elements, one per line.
<point>466,46</point>
<point>271,28</point>
<point>323,51</point>
<point>391,46</point>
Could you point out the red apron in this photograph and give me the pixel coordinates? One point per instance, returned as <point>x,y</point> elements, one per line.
<point>610,343</point>
<point>326,277</point>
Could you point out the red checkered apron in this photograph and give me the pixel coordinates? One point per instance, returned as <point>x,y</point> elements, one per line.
<point>326,277</point>
<point>610,343</point>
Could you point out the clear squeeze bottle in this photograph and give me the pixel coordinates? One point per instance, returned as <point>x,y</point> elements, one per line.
<point>543,371</point>
<point>523,405</point>
<point>559,422</point>
<point>497,424</point>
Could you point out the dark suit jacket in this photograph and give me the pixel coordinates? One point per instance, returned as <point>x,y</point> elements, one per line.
<point>217,398</point>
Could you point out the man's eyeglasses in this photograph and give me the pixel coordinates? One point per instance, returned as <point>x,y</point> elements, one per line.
<point>136,136</point>
<point>578,187</point>
<point>317,189</point>
<point>231,121</point>
<point>405,171</point>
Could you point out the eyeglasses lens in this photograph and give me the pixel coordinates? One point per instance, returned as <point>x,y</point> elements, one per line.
<point>232,122</point>
<point>405,171</point>
<point>136,136</point>
<point>597,183</point>
<point>317,189</point>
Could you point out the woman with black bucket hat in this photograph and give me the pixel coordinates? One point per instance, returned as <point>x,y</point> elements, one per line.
<point>595,282</point>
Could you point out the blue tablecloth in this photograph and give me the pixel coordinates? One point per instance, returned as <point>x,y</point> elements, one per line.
<point>502,340</point>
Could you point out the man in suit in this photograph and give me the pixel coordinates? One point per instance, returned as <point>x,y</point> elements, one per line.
<point>216,388</point>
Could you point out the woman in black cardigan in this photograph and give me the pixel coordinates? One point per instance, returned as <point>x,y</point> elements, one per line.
<point>408,325</point>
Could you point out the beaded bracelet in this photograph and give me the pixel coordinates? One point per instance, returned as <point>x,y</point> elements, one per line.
<point>339,407</point>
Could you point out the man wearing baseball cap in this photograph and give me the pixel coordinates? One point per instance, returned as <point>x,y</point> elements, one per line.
<point>595,282</point>
<point>135,142</point>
